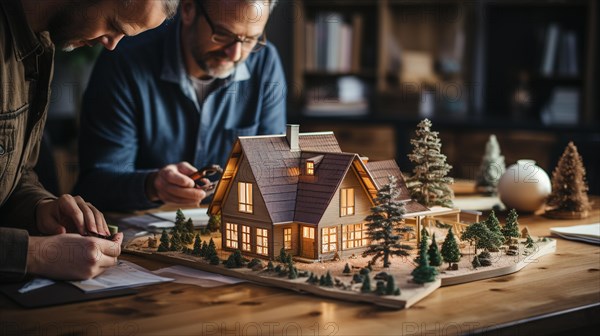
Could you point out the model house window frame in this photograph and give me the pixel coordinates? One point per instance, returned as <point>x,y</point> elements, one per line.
<point>287,238</point>
<point>245,202</point>
<point>354,236</point>
<point>329,239</point>
<point>231,235</point>
<point>246,245</point>
<point>347,202</point>
<point>262,241</point>
<point>308,232</point>
<point>310,168</point>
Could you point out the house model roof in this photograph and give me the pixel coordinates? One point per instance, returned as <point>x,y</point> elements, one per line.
<point>277,163</point>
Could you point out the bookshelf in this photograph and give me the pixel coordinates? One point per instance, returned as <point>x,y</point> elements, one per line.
<point>525,70</point>
<point>534,61</point>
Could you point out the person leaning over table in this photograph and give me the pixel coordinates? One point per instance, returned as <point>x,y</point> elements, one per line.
<point>29,29</point>
<point>175,99</point>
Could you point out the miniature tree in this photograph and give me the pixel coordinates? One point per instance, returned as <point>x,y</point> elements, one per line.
<point>391,288</point>
<point>366,284</point>
<point>197,246</point>
<point>293,271</point>
<point>179,219</point>
<point>214,223</point>
<point>175,242</point>
<point>347,269</point>
<point>511,228</point>
<point>429,184</point>
<point>482,237</point>
<point>328,280</point>
<point>450,250</point>
<point>284,257</point>
<point>204,249</point>
<point>491,168</point>
<point>435,258</point>
<point>423,272</point>
<point>214,259</point>
<point>385,224</point>
<point>188,232</point>
<point>493,224</point>
<point>211,250</point>
<point>529,242</point>
<point>475,263</point>
<point>569,197</point>
<point>380,288</point>
<point>235,260</point>
<point>164,242</point>
<point>270,266</point>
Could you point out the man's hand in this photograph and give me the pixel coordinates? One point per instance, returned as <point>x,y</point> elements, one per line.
<point>70,214</point>
<point>71,256</point>
<point>172,184</point>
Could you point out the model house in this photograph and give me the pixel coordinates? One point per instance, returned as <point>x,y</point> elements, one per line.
<point>300,191</point>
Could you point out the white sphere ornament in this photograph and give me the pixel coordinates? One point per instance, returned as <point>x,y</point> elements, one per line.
<point>524,186</point>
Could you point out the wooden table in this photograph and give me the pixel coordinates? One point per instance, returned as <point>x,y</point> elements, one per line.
<point>559,292</point>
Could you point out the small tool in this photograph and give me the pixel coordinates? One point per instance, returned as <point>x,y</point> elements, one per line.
<point>206,172</point>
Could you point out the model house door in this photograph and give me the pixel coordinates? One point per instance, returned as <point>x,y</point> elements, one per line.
<point>308,242</point>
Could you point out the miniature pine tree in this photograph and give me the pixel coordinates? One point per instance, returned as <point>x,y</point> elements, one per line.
<point>293,271</point>
<point>380,288</point>
<point>450,250</point>
<point>175,241</point>
<point>424,233</point>
<point>491,168</point>
<point>391,288</point>
<point>435,258</point>
<point>204,249</point>
<point>164,242</point>
<point>189,225</point>
<point>529,242</point>
<point>197,246</point>
<point>214,259</point>
<point>179,219</point>
<point>423,272</point>
<point>493,224</point>
<point>385,224</point>
<point>284,257</point>
<point>475,263</point>
<point>366,284</point>
<point>429,184</point>
<point>230,263</point>
<point>569,188</point>
<point>322,280</point>
<point>214,223</point>
<point>270,266</point>
<point>511,228</point>
<point>347,269</point>
<point>328,280</point>
<point>211,250</point>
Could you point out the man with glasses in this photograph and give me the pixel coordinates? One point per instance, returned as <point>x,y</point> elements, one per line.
<point>175,100</point>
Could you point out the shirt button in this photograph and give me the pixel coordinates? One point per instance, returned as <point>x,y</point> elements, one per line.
<point>2,151</point>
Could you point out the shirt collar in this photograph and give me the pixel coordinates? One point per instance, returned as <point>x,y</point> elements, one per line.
<point>24,39</point>
<point>173,68</point>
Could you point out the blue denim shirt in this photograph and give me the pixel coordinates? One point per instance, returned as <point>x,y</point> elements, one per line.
<point>140,113</point>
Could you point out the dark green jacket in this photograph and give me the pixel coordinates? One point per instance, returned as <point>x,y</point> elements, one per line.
<point>26,61</point>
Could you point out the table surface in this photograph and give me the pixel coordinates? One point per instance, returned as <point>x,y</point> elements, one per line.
<point>557,292</point>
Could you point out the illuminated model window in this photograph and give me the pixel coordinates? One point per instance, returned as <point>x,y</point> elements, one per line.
<point>262,241</point>
<point>231,235</point>
<point>308,232</point>
<point>287,238</point>
<point>245,197</point>
<point>310,168</point>
<point>354,235</point>
<point>347,202</point>
<point>329,239</point>
<point>246,238</point>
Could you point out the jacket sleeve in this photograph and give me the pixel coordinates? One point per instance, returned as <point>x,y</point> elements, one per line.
<point>19,209</point>
<point>108,139</point>
<point>274,93</point>
<point>13,254</point>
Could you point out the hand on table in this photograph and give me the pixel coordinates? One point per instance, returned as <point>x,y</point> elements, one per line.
<point>71,256</point>
<point>173,185</point>
<point>70,214</point>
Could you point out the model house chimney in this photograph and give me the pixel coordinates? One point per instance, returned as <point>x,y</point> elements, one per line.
<point>291,133</point>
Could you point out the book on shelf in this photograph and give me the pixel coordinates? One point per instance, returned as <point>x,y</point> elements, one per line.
<point>336,109</point>
<point>333,43</point>
<point>559,55</point>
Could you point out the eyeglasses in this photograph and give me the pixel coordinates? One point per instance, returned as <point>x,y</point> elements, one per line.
<point>227,38</point>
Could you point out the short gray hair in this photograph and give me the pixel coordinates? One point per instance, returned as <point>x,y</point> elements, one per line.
<point>169,7</point>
